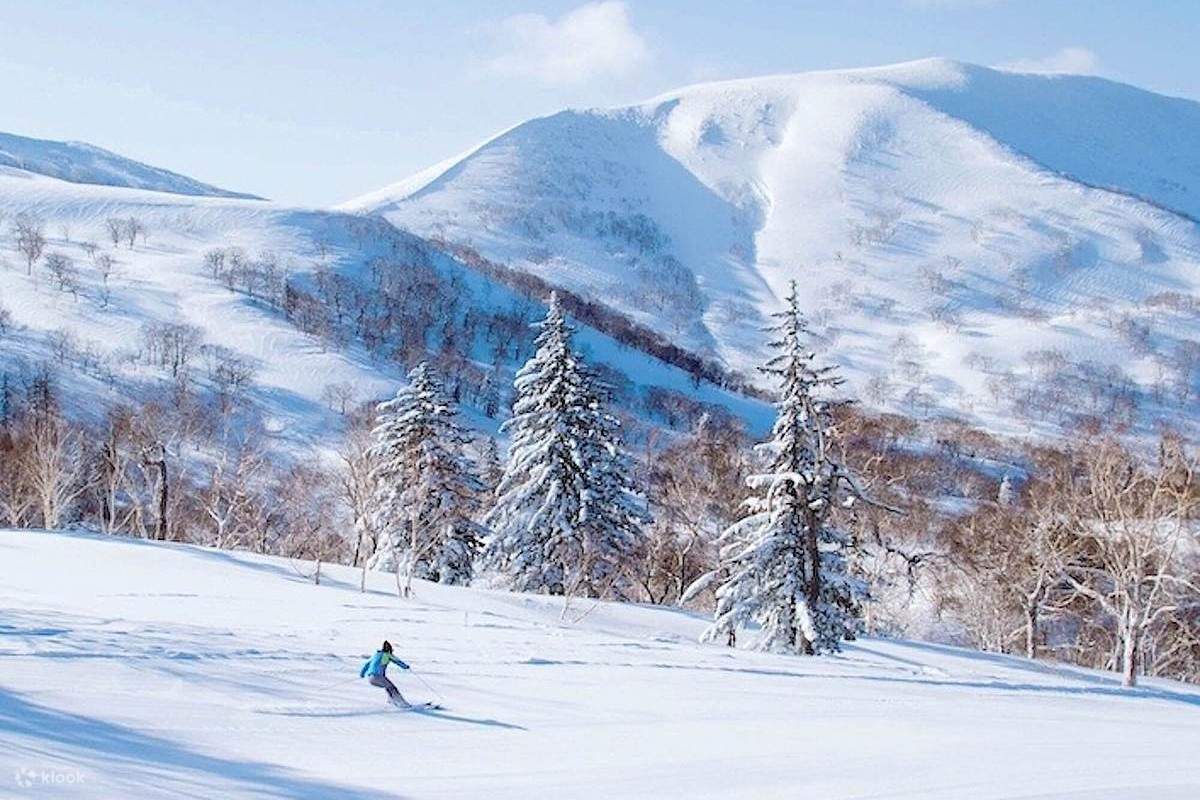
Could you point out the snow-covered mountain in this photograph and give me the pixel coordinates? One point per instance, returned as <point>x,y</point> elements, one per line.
<point>134,669</point>
<point>91,330</point>
<point>79,162</point>
<point>965,238</point>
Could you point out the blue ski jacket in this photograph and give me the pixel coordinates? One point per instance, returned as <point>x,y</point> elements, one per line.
<point>378,664</point>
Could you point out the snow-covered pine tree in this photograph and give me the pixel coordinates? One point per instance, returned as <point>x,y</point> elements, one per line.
<point>491,469</point>
<point>566,516</point>
<point>614,510</point>
<point>784,563</point>
<point>428,491</point>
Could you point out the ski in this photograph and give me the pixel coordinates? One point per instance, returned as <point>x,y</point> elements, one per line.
<point>428,707</point>
<point>420,707</point>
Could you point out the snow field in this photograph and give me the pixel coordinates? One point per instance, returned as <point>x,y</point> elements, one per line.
<point>149,670</point>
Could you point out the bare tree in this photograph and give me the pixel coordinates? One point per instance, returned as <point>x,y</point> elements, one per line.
<point>53,466</point>
<point>1134,549</point>
<point>155,433</point>
<point>31,239</point>
<point>62,270</point>
<point>229,500</point>
<point>214,262</point>
<point>154,466</point>
<point>340,396</point>
<point>106,267</point>
<point>132,229</point>
<point>308,523</point>
<point>1186,361</point>
<point>17,502</point>
<point>696,487</point>
<point>231,374</point>
<point>157,486</point>
<point>1013,555</point>
<point>111,474</point>
<point>63,343</point>
<point>357,486</point>
<point>115,228</point>
<point>170,344</point>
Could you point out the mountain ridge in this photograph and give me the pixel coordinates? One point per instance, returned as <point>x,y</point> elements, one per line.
<point>920,78</point>
<point>85,163</point>
<point>1025,200</point>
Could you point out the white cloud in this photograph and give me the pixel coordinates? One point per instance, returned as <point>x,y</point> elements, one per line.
<point>596,40</point>
<point>1073,60</point>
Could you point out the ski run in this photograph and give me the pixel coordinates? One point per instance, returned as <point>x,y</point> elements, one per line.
<point>135,669</point>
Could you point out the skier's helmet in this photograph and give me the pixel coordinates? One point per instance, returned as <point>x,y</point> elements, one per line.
<point>387,646</point>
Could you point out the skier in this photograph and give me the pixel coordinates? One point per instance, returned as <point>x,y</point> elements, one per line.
<point>376,668</point>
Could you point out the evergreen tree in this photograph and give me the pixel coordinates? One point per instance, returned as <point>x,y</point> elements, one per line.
<point>491,470</point>
<point>784,564</point>
<point>614,511</point>
<point>566,517</point>
<point>428,491</point>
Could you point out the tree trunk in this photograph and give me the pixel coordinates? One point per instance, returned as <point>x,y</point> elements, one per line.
<point>813,590</point>
<point>1129,659</point>
<point>1031,630</point>
<point>49,512</point>
<point>160,532</point>
<point>108,511</point>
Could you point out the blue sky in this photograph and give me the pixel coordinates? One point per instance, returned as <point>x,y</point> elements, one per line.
<point>316,102</point>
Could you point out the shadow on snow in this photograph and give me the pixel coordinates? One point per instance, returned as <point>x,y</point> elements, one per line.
<point>125,756</point>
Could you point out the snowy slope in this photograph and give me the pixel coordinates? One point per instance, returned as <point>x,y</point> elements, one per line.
<point>79,162</point>
<point>164,280</point>
<point>137,670</point>
<point>941,214</point>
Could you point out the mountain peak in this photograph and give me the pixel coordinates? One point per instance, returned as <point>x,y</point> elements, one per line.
<point>81,162</point>
<point>1016,195</point>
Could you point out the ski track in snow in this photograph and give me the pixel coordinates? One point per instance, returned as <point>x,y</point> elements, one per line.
<point>152,670</point>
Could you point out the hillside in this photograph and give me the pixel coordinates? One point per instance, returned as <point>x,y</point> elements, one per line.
<point>98,334</point>
<point>1019,250</point>
<point>79,162</point>
<point>132,669</point>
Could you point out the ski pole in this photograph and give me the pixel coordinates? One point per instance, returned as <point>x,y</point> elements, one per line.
<point>330,686</point>
<point>427,686</point>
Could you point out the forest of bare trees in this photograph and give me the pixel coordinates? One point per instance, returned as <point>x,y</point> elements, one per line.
<point>1095,560</point>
